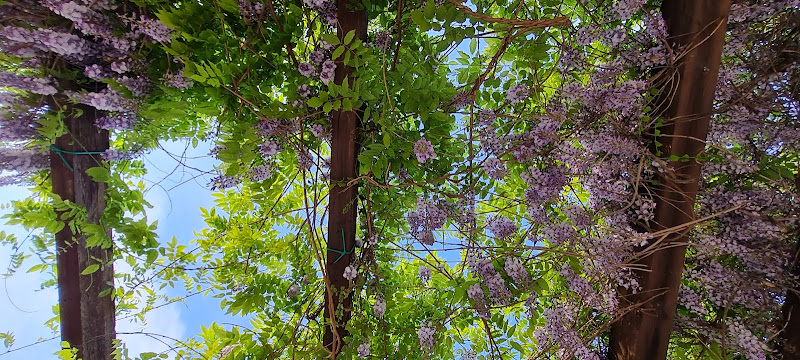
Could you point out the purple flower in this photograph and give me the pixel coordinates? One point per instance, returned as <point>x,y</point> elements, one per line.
<point>424,220</point>
<point>178,81</point>
<point>424,273</point>
<point>106,99</point>
<point>307,69</point>
<point>293,291</point>
<point>487,117</point>
<point>317,56</point>
<point>304,91</point>
<point>260,173</point>
<point>624,9</point>
<point>425,334</point>
<point>22,160</point>
<point>750,345</point>
<point>462,100</point>
<point>95,72</point>
<point>35,85</point>
<point>494,168</point>
<point>120,67</point>
<point>139,85</point>
<point>223,182</point>
<point>556,332</point>
<point>502,227</point>
<point>475,292</point>
<point>152,28</point>
<point>116,155</point>
<point>304,160</point>
<point>349,272</point>
<point>424,150</point>
<point>379,307</point>
<point>250,10</point>
<point>268,127</point>
<point>116,122</point>
<point>321,132</point>
<point>517,93</point>
<point>269,148</point>
<point>328,71</point>
<point>62,43</point>
<point>516,270</point>
<point>363,350</point>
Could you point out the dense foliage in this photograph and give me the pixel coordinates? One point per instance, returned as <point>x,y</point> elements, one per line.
<point>509,156</point>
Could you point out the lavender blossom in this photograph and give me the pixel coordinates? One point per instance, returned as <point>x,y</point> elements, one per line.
<point>502,227</point>
<point>35,85</point>
<point>517,93</point>
<point>116,122</point>
<point>425,334</point>
<point>379,307</point>
<point>349,272</point>
<point>363,350</point>
<point>424,150</point>
<point>328,71</point>
<point>307,70</point>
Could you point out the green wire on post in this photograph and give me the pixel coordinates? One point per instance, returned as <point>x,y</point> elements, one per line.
<point>342,252</point>
<point>61,153</point>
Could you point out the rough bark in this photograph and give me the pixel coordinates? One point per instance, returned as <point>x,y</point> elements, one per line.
<point>97,313</point>
<point>69,290</point>
<point>352,15</point>
<point>687,95</point>
<point>87,320</point>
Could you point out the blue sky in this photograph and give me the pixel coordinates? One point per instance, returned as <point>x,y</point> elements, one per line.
<point>176,194</point>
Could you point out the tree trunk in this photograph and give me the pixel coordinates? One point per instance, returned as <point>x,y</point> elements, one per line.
<point>699,27</point>
<point>87,320</point>
<point>352,15</point>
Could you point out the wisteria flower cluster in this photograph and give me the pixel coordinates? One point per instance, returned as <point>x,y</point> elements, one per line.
<point>427,218</point>
<point>426,334</point>
<point>424,150</point>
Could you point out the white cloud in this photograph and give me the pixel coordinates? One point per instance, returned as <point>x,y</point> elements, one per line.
<point>162,326</point>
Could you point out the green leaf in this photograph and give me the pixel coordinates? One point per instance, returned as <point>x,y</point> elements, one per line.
<point>349,37</point>
<point>90,269</point>
<point>8,339</point>
<point>331,39</point>
<point>418,18</point>
<point>315,102</point>
<point>429,10</point>
<point>338,52</point>
<point>99,174</point>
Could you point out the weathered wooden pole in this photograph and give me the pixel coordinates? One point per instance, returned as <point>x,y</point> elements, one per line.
<point>68,270</point>
<point>687,94</point>
<point>87,320</point>
<point>352,15</point>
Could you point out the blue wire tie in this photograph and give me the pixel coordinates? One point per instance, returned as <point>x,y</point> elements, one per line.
<point>342,252</point>
<point>61,153</point>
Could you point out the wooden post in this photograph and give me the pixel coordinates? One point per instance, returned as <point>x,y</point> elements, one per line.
<point>69,289</point>
<point>686,98</point>
<point>97,313</point>
<point>87,320</point>
<point>352,15</point>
